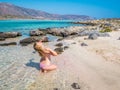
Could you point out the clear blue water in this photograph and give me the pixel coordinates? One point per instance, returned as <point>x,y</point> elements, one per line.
<point>24,26</point>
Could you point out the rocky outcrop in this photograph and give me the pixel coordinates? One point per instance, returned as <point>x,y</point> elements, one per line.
<point>36,33</point>
<point>75,86</point>
<point>63,32</point>
<point>7,44</point>
<point>45,39</point>
<point>60,39</point>
<point>30,40</point>
<point>84,44</point>
<point>59,44</point>
<point>119,38</point>
<point>101,24</point>
<point>87,33</point>
<point>10,34</point>
<point>2,39</point>
<point>93,36</point>
<point>59,50</point>
<point>86,23</point>
<point>66,47</point>
<point>27,41</point>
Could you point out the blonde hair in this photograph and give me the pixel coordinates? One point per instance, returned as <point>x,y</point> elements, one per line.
<point>39,49</point>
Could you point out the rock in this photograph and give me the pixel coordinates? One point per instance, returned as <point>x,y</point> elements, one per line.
<point>73,33</point>
<point>59,50</point>
<point>41,29</point>
<point>55,89</point>
<point>30,40</point>
<point>86,23</point>
<point>75,86</point>
<point>84,44</point>
<point>59,44</point>
<point>93,36</point>
<point>27,41</point>
<point>84,33</point>
<point>64,34</point>
<point>7,44</point>
<point>60,39</point>
<point>10,34</point>
<point>34,52</point>
<point>53,32</point>
<point>1,32</point>
<point>66,47</point>
<point>119,38</point>
<point>19,34</point>
<point>45,39</point>
<point>36,33</point>
<point>73,43</point>
<point>87,33</point>
<point>58,32</point>
<point>2,39</point>
<point>103,34</point>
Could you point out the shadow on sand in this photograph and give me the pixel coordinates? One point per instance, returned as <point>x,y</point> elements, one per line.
<point>33,64</point>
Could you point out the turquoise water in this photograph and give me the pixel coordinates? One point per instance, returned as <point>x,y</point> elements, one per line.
<point>25,26</point>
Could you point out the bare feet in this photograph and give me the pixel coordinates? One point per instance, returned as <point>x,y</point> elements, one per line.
<point>43,71</point>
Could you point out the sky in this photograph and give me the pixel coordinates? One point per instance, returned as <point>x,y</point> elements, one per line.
<point>93,8</point>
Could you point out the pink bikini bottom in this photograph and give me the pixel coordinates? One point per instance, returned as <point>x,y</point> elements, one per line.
<point>43,65</point>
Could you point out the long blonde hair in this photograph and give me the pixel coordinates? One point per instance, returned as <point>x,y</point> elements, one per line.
<point>39,49</point>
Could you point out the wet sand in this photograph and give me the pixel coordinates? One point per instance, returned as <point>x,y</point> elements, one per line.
<point>93,67</point>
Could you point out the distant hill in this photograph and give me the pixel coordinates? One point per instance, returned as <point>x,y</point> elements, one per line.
<point>8,11</point>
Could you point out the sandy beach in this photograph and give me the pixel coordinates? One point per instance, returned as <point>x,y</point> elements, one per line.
<point>92,67</point>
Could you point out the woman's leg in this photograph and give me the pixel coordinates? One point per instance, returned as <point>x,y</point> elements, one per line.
<point>50,67</point>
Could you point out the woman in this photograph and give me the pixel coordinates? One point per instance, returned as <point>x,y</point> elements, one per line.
<point>45,54</point>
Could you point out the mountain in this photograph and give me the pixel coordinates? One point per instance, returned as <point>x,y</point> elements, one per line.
<point>8,11</point>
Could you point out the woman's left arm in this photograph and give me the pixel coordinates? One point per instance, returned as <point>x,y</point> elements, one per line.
<point>52,52</point>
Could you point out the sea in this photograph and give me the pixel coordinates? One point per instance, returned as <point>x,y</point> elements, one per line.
<point>24,26</point>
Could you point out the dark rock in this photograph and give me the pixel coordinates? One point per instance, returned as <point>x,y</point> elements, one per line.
<point>73,42</point>
<point>58,32</point>
<point>10,34</point>
<point>59,50</point>
<point>42,29</point>
<point>59,44</point>
<point>34,52</point>
<point>93,36</point>
<point>103,34</point>
<point>84,44</point>
<point>2,39</point>
<point>1,32</point>
<point>19,34</point>
<point>74,33</point>
<point>75,86</point>
<point>36,33</point>
<point>119,38</point>
<point>55,89</point>
<point>60,39</point>
<point>45,39</point>
<point>66,47</point>
<point>27,41</point>
<point>86,23</point>
<point>53,32</point>
<point>64,34</point>
<point>24,44</point>
<point>7,44</point>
